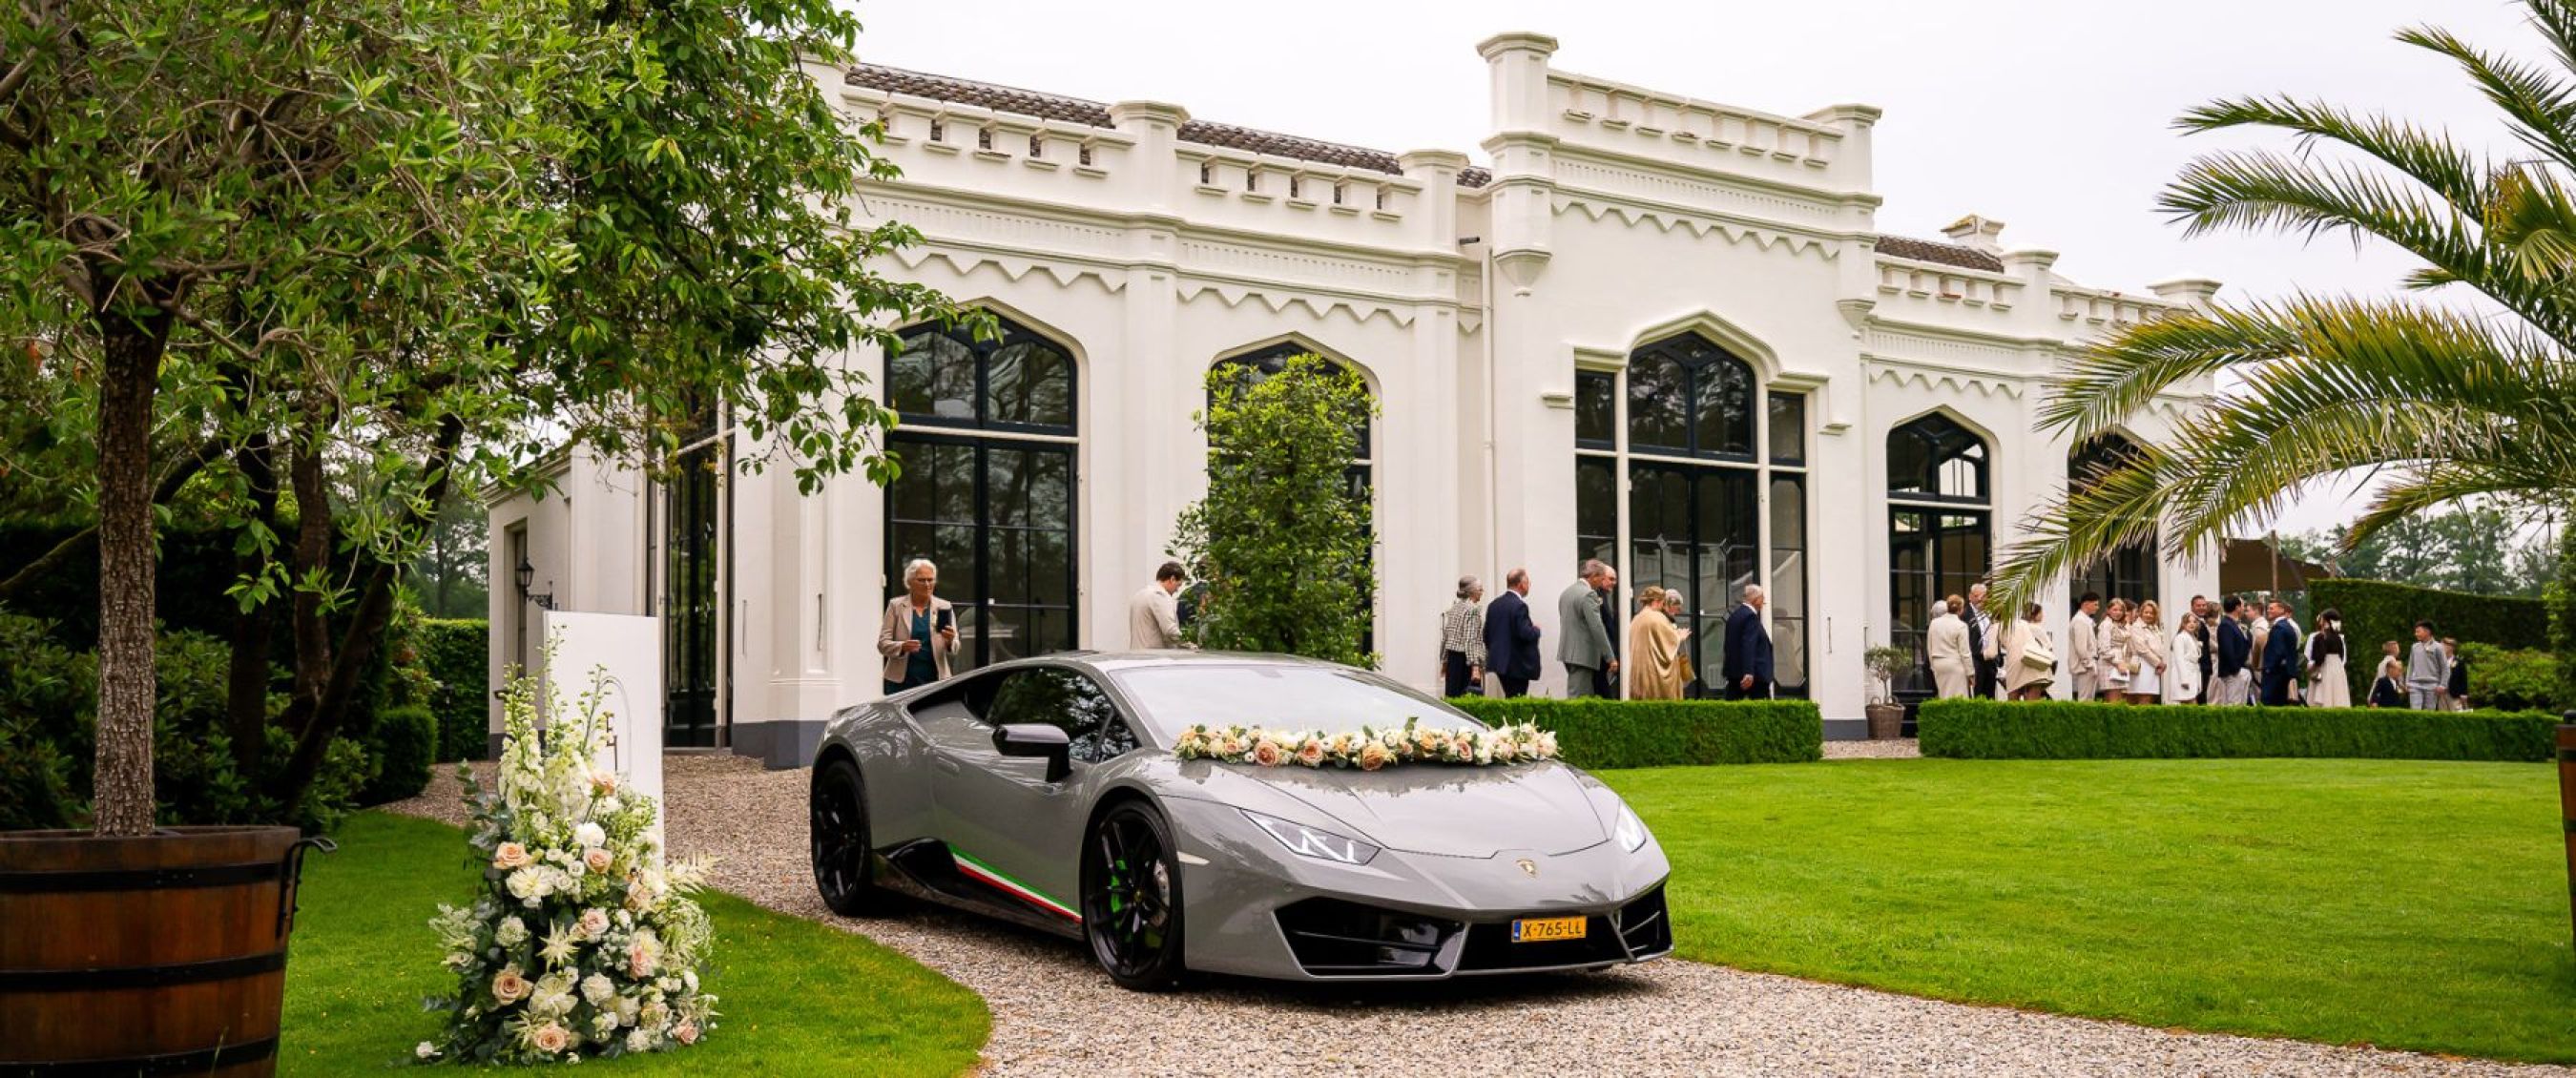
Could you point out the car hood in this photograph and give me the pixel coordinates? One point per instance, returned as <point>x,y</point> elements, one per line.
<point>1449,811</point>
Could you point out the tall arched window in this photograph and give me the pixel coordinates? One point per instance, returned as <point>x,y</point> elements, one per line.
<point>1940,527</point>
<point>1687,441</point>
<point>1251,368</point>
<point>987,491</point>
<point>2129,572</point>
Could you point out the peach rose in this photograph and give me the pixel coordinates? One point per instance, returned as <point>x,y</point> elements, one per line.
<point>1373,756</point>
<point>685,1033</point>
<point>640,960</point>
<point>1504,750</point>
<point>1311,753</point>
<point>598,859</point>
<point>509,986</point>
<point>1268,753</point>
<point>594,923</point>
<point>510,855</point>
<point>550,1038</point>
<point>603,783</point>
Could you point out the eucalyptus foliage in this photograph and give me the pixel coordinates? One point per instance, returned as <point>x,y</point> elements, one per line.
<point>2439,403</point>
<point>327,263</point>
<point>1282,538</point>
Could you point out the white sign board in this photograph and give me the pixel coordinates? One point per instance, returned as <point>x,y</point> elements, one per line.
<point>626,650</point>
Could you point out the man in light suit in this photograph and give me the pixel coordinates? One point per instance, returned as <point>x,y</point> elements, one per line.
<point>1511,638</point>
<point>1585,646</point>
<point>2234,647</point>
<point>2428,671</point>
<point>1748,649</point>
<point>2280,656</point>
<point>2084,646</point>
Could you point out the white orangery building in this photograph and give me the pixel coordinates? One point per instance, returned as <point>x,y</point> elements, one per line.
<point>1653,329</point>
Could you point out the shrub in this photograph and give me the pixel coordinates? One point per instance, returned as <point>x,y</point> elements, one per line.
<point>35,781</point>
<point>2064,730</point>
<point>1666,733</point>
<point>455,653</point>
<point>405,745</point>
<point>2502,680</point>
<point>2376,610</point>
<point>2561,601</point>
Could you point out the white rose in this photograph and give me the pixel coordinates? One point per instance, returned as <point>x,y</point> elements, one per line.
<point>639,1041</point>
<point>425,1051</point>
<point>525,884</point>
<point>590,834</point>
<point>512,932</point>
<point>689,980</point>
<point>609,805</point>
<point>603,1025</point>
<point>597,989</point>
<point>628,1010</point>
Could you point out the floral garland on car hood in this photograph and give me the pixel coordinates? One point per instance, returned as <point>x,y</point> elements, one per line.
<point>584,940</point>
<point>1368,749</point>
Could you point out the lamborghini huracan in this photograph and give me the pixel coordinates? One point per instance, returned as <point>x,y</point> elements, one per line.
<point>1044,791</point>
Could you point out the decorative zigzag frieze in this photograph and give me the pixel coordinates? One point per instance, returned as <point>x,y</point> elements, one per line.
<point>1642,217</point>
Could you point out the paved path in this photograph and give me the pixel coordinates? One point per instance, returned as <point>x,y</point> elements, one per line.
<point>1054,1014</point>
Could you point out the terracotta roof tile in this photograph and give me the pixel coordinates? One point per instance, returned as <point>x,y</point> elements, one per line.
<point>1947,254</point>
<point>895,80</point>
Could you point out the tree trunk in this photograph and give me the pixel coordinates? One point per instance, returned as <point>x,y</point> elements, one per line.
<point>246,687</point>
<point>312,561</point>
<point>129,374</point>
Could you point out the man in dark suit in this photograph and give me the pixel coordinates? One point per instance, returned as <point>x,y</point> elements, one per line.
<point>2234,646</point>
<point>1511,638</point>
<point>1983,646</point>
<point>1608,679</point>
<point>2207,635</point>
<point>1748,649</point>
<point>2281,655</point>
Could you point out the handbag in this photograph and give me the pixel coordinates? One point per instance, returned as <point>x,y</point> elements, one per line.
<point>2037,655</point>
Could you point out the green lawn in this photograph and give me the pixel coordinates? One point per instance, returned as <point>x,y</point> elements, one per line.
<point>796,997</point>
<point>2404,904</point>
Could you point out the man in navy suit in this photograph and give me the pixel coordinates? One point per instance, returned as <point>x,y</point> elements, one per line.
<point>2234,646</point>
<point>1511,638</point>
<point>1748,649</point>
<point>2281,656</point>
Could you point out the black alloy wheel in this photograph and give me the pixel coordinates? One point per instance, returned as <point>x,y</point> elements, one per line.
<point>1131,898</point>
<point>839,835</point>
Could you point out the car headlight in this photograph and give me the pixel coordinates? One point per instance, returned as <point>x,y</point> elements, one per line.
<point>1630,831</point>
<point>1313,842</point>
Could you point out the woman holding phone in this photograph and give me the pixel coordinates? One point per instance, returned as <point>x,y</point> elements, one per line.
<point>920,631</point>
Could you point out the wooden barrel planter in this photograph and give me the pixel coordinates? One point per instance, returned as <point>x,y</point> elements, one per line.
<point>161,954</point>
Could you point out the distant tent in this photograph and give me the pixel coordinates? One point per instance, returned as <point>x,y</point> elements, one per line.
<point>2250,564</point>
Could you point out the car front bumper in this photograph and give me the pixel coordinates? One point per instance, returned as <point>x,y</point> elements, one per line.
<point>1253,909</point>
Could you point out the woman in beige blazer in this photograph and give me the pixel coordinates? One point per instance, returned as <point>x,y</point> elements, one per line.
<point>920,631</point>
<point>1655,656</point>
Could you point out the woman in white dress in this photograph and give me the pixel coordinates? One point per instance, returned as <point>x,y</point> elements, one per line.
<point>2147,648</point>
<point>1945,646</point>
<point>2327,686</point>
<point>2184,686</point>
<point>2117,664</point>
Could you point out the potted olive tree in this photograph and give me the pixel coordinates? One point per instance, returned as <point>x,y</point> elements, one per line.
<point>1886,662</point>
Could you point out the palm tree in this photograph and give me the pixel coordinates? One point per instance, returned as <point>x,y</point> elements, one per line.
<point>2440,403</point>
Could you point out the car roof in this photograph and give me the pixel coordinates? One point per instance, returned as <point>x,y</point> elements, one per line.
<point>1114,661</point>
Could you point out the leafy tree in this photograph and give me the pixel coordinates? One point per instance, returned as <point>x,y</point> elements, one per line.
<point>2447,404</point>
<point>415,247</point>
<point>1281,540</point>
<point>448,576</point>
<point>2480,550</point>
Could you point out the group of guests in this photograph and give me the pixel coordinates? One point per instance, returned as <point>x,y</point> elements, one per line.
<point>2228,651</point>
<point>1502,638</point>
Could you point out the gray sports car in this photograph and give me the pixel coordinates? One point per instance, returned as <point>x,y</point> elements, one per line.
<point>1044,791</point>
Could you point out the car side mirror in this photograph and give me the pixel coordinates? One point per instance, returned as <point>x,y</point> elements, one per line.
<point>1038,740</point>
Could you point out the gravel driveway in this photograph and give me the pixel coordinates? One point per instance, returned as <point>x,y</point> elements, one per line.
<point>1054,1014</point>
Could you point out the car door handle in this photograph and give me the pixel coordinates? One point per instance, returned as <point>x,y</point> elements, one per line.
<point>945,765</point>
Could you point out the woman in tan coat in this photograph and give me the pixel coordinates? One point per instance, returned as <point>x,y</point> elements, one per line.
<point>2147,647</point>
<point>2023,681</point>
<point>1655,656</point>
<point>920,631</point>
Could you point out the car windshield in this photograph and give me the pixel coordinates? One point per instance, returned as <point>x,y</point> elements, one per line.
<point>1277,696</point>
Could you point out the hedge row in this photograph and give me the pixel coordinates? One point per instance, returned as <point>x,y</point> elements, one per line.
<point>1666,733</point>
<point>2065,730</point>
<point>2376,611</point>
<point>457,653</point>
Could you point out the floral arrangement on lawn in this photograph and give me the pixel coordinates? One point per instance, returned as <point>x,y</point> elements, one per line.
<point>1368,749</point>
<point>584,941</point>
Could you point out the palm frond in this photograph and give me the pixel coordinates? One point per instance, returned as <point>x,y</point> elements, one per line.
<point>2428,157</point>
<point>2540,106</point>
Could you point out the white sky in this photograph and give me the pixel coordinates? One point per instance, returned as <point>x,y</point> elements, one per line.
<point>2051,115</point>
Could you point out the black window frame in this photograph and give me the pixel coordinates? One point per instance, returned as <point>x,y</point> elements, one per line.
<point>1911,592</point>
<point>1700,360</point>
<point>1011,334</point>
<point>2133,571</point>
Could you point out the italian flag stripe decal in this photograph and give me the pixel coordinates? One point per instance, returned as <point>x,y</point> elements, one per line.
<point>978,870</point>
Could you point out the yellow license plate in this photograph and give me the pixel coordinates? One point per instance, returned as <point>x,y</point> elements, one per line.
<point>1544,929</point>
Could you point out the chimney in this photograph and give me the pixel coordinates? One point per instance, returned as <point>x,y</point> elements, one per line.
<point>1983,233</point>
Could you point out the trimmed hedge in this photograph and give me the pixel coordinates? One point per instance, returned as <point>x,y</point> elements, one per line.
<point>2501,680</point>
<point>1666,733</point>
<point>456,653</point>
<point>406,738</point>
<point>2376,611</point>
<point>2065,730</point>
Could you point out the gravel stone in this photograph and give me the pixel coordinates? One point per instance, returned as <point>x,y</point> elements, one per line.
<point>1053,1013</point>
<point>1897,749</point>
